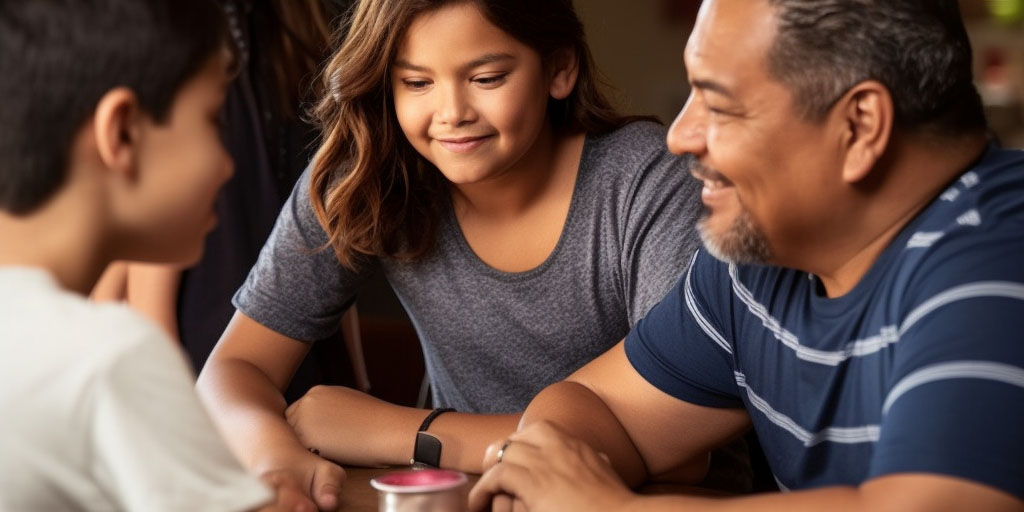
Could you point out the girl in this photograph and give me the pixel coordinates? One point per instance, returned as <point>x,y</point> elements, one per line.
<point>522,222</point>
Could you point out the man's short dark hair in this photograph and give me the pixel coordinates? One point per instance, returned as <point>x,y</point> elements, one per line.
<point>918,49</point>
<point>59,57</point>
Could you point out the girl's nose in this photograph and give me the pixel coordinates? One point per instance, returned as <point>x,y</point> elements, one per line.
<point>452,108</point>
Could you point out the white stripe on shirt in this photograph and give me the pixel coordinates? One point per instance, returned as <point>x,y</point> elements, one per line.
<point>705,325</point>
<point>888,335</point>
<point>844,435</point>
<point>986,370</point>
<point>1005,289</point>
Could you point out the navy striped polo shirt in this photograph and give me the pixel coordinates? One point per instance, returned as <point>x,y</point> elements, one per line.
<point>919,368</point>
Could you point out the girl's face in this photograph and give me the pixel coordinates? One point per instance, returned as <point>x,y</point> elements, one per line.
<point>470,98</point>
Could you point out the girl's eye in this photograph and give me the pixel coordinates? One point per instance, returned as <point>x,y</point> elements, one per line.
<point>491,79</point>
<point>415,84</point>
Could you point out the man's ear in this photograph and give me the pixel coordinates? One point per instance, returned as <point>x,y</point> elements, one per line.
<point>867,115</point>
<point>117,125</point>
<point>565,68</point>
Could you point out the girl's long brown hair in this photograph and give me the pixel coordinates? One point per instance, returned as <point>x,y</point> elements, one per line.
<point>291,39</point>
<point>371,191</point>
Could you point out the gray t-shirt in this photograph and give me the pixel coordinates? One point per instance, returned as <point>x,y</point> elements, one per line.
<point>493,339</point>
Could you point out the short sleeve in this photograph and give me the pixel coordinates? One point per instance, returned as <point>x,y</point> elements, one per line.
<point>678,348</point>
<point>659,235</point>
<point>154,446</point>
<point>297,286</point>
<point>956,403</point>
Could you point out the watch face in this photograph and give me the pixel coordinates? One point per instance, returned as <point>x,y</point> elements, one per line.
<point>427,452</point>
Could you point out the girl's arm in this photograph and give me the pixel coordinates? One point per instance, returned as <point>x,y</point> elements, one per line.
<point>355,428</point>
<point>152,290</point>
<point>242,385</point>
<point>112,286</point>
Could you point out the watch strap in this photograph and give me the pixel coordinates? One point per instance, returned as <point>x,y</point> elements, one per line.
<point>427,451</point>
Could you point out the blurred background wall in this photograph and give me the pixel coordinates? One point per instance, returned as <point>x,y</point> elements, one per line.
<point>638,45</point>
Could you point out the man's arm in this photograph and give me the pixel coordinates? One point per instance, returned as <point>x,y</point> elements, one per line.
<point>547,470</point>
<point>607,419</point>
<point>642,430</point>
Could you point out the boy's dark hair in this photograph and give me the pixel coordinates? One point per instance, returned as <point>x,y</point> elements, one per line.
<point>918,49</point>
<point>59,57</point>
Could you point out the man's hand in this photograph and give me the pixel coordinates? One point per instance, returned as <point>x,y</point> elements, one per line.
<point>544,469</point>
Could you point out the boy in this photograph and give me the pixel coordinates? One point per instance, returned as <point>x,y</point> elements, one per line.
<point>109,150</point>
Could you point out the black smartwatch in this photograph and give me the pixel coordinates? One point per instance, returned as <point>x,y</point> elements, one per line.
<point>427,453</point>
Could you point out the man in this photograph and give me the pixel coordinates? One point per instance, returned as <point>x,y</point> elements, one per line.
<point>860,299</point>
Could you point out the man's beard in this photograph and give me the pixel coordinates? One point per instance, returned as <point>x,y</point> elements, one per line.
<point>742,243</point>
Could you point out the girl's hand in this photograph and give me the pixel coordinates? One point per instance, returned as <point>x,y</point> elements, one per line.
<point>543,469</point>
<point>306,483</point>
<point>351,427</point>
<point>288,493</point>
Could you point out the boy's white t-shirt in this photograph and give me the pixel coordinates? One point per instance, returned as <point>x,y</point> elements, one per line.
<point>99,411</point>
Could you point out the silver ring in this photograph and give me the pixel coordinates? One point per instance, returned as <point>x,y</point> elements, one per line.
<point>501,452</point>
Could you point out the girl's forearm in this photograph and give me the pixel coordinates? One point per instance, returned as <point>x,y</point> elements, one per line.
<point>465,437</point>
<point>249,412</point>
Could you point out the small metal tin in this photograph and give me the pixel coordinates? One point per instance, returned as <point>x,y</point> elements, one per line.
<point>420,490</point>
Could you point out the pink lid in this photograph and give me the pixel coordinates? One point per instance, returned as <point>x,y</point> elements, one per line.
<point>419,480</point>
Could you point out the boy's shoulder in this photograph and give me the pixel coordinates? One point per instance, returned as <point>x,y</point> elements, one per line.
<point>45,325</point>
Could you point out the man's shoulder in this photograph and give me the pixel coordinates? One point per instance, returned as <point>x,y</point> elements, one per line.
<point>972,230</point>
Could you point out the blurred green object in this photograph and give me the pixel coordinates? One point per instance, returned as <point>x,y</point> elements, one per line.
<point>1007,11</point>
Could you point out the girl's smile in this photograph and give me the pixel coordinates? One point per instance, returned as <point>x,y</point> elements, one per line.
<point>463,144</point>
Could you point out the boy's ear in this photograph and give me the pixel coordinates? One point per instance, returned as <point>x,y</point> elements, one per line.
<point>565,68</point>
<point>117,125</point>
<point>867,115</point>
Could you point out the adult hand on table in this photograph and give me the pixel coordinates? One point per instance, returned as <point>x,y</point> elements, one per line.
<point>352,427</point>
<point>542,469</point>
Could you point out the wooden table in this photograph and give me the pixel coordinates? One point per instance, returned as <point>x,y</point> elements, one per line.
<point>358,496</point>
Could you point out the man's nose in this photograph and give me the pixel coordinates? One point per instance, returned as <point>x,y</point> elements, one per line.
<point>688,132</point>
